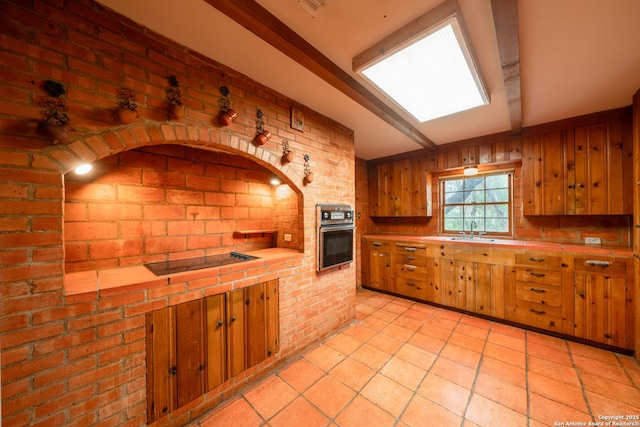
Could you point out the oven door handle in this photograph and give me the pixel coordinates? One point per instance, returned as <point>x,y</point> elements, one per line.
<point>324,229</point>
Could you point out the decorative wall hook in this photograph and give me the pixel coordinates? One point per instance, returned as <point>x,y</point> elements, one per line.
<point>55,119</point>
<point>227,115</point>
<point>127,106</point>
<point>308,175</point>
<point>174,97</point>
<point>287,153</point>
<point>262,135</point>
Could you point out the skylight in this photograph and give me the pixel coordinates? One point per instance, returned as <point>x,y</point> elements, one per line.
<point>431,76</point>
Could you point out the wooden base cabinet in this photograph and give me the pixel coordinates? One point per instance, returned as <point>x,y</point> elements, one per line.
<point>196,346</point>
<point>377,264</point>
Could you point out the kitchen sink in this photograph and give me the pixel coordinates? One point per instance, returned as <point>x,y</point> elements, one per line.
<point>472,239</point>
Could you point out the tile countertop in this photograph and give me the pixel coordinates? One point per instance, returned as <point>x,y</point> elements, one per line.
<point>623,251</point>
<point>138,277</point>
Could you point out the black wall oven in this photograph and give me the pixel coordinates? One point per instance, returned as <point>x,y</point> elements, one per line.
<point>335,235</point>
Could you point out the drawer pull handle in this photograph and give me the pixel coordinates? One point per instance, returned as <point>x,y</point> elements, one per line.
<point>410,284</point>
<point>538,291</point>
<point>532,259</point>
<point>410,258</point>
<point>409,249</point>
<point>377,244</point>
<point>537,274</point>
<point>598,263</point>
<point>410,267</point>
<point>538,312</point>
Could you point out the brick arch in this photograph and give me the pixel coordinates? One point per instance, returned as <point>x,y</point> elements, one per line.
<point>98,145</point>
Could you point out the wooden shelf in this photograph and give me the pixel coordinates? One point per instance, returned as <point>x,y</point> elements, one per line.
<point>263,232</point>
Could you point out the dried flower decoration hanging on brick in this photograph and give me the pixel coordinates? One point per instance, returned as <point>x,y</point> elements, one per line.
<point>55,120</point>
<point>127,106</point>
<point>227,115</point>
<point>287,153</point>
<point>174,97</point>
<point>262,135</point>
<point>308,175</point>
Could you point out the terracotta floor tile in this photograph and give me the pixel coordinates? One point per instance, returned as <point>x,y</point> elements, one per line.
<point>387,394</point>
<point>468,358</point>
<point>343,343</point>
<point>448,314</point>
<point>361,412</point>
<point>352,373</point>
<point>502,392</point>
<point>237,412</point>
<point>486,413</point>
<point>299,413</point>
<point>425,342</point>
<point>476,322</point>
<point>629,363</point>
<point>270,396</point>
<point>385,343</point>
<point>511,331</point>
<point>421,358</point>
<point>403,302</point>
<point>431,330</point>
<point>395,308</point>
<point>611,389</point>
<point>359,332</point>
<point>443,322</point>
<point>549,412</point>
<point>445,393</point>
<point>422,412</point>
<point>467,423</point>
<point>549,353</point>
<point>371,357</point>
<point>417,314</point>
<point>329,395</point>
<point>387,316</point>
<point>472,330</point>
<point>374,323</point>
<point>365,309</point>
<point>546,340</point>
<point>505,354</point>
<point>507,341</point>
<point>398,332</point>
<point>557,391</point>
<point>301,374</point>
<point>589,352</point>
<point>360,315</point>
<point>408,323</point>
<point>454,372</point>
<point>324,357</point>
<point>504,371</point>
<point>465,341</point>
<point>404,373</point>
<point>601,405</point>
<point>601,369</point>
<point>565,374</point>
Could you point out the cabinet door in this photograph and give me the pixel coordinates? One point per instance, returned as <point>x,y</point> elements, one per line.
<point>273,316</point>
<point>454,277</point>
<point>256,337</point>
<point>190,344</point>
<point>375,190</point>
<point>161,363</point>
<point>216,341</point>
<point>601,309</point>
<point>543,174</point>
<point>236,326</point>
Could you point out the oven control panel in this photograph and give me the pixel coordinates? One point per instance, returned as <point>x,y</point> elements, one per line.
<point>335,214</point>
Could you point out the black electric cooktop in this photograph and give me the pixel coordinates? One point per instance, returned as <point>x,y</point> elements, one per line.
<point>178,266</point>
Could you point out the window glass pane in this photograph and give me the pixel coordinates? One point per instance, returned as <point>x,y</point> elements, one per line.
<point>501,195</point>
<point>473,212</point>
<point>474,197</point>
<point>454,198</point>
<point>498,225</point>
<point>454,224</point>
<point>453,212</point>
<point>497,181</point>
<point>474,183</point>
<point>454,185</point>
<point>498,211</point>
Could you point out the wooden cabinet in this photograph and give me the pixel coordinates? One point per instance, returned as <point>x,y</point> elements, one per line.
<point>195,346</point>
<point>604,300</point>
<point>584,170</point>
<point>400,189</point>
<point>411,270</point>
<point>377,265</point>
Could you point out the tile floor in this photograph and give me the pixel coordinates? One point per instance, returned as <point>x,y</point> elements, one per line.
<point>409,364</point>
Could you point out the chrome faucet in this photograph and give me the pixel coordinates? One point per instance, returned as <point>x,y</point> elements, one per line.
<point>473,224</point>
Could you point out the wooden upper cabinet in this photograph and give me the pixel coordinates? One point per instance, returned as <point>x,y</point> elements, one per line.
<point>401,188</point>
<point>585,170</point>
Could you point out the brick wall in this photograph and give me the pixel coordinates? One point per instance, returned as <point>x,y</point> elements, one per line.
<point>80,360</point>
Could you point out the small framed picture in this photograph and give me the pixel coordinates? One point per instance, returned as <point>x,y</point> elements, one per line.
<point>297,119</point>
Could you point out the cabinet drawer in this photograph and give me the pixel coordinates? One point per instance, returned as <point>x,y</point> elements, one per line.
<point>411,259</point>
<point>538,315</point>
<point>411,271</point>
<point>408,249</point>
<point>532,275</point>
<point>376,245</point>
<point>604,266</point>
<point>539,260</point>
<point>411,288</point>
<point>543,294</point>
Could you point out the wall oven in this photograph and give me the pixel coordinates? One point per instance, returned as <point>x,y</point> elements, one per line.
<point>336,232</point>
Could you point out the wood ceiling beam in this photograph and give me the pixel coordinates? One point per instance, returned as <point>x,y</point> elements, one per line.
<point>263,24</point>
<point>505,18</point>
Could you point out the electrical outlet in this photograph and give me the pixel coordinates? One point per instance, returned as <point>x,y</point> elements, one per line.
<point>287,237</point>
<point>592,240</point>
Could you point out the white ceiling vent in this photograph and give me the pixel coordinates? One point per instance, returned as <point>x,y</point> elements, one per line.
<point>312,6</point>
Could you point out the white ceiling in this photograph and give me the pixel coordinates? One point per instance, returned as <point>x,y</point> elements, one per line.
<point>576,57</point>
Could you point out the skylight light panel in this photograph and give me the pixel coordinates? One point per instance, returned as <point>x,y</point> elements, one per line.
<point>432,76</point>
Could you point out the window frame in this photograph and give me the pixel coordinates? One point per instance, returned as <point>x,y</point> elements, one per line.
<point>510,172</point>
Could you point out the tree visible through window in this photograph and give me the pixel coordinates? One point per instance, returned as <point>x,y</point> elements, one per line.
<point>484,200</point>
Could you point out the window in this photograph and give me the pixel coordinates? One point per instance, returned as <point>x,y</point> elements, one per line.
<point>484,201</point>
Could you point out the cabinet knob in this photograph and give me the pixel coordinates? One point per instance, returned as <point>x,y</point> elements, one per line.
<point>220,323</point>
<point>173,370</point>
<point>233,318</point>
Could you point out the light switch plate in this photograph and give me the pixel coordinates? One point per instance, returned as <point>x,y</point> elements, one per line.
<point>592,240</point>
<point>287,237</point>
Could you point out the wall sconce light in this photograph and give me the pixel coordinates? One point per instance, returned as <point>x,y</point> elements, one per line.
<point>275,181</point>
<point>470,170</point>
<point>83,169</point>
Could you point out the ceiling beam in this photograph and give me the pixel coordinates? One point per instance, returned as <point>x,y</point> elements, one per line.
<point>263,24</point>
<point>505,18</point>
